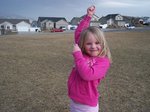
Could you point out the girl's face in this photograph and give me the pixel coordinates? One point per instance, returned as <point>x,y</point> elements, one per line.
<point>92,46</point>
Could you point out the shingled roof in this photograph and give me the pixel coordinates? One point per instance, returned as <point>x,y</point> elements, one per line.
<point>14,21</point>
<point>111,16</point>
<point>53,19</point>
<point>103,20</point>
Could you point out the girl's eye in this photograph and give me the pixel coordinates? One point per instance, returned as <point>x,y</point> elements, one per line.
<point>88,43</point>
<point>97,43</point>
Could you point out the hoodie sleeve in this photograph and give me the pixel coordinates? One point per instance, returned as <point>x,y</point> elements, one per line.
<point>83,25</point>
<point>97,71</point>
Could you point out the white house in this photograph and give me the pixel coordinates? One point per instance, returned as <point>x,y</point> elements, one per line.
<point>20,25</point>
<point>7,25</point>
<point>23,26</point>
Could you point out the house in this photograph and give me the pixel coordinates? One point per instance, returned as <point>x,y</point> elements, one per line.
<point>113,19</point>
<point>75,20</point>
<point>145,20</point>
<point>118,20</point>
<point>34,24</point>
<point>47,23</point>
<point>94,20</point>
<point>15,24</point>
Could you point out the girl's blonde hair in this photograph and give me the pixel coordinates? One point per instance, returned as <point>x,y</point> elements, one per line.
<point>99,35</point>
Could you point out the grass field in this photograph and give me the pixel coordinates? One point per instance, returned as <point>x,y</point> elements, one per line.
<point>34,71</point>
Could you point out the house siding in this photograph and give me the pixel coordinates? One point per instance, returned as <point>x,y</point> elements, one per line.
<point>61,23</point>
<point>23,27</point>
<point>47,23</point>
<point>121,23</point>
<point>94,23</point>
<point>43,25</point>
<point>110,22</point>
<point>6,25</point>
<point>75,20</point>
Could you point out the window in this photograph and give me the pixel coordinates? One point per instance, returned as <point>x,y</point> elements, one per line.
<point>2,26</point>
<point>14,27</point>
<point>119,17</point>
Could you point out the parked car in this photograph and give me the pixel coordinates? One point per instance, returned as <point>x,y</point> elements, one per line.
<point>72,28</point>
<point>56,30</point>
<point>130,27</point>
<point>35,29</point>
<point>104,26</point>
<point>63,28</point>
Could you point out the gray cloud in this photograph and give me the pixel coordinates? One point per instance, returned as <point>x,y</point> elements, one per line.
<point>74,8</point>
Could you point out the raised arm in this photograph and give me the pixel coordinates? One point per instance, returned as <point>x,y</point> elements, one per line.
<point>84,23</point>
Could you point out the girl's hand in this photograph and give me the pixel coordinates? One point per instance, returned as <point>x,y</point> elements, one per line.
<point>76,48</point>
<point>91,10</point>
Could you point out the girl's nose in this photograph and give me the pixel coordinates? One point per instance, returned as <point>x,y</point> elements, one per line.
<point>93,46</point>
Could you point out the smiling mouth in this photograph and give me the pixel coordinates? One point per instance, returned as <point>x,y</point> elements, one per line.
<point>94,50</point>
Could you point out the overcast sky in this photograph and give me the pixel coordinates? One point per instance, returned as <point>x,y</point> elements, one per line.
<point>73,8</point>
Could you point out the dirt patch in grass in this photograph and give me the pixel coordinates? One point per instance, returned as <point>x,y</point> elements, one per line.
<point>34,70</point>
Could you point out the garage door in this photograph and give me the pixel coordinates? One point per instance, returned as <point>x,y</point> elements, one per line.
<point>22,29</point>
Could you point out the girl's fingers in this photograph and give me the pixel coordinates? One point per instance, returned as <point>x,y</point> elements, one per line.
<point>92,8</point>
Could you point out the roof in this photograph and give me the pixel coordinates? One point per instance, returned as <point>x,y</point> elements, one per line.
<point>104,19</point>
<point>14,21</point>
<point>111,16</point>
<point>53,19</point>
<point>95,15</point>
<point>75,20</point>
<point>34,24</point>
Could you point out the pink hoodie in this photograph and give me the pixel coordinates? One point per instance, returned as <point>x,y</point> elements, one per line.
<point>87,73</point>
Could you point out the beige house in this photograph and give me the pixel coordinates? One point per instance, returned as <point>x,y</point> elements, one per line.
<point>47,23</point>
<point>116,19</point>
<point>94,20</point>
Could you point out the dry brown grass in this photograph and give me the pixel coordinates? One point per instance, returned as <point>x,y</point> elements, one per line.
<point>34,71</point>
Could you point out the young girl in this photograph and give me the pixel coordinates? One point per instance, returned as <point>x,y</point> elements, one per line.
<point>92,60</point>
